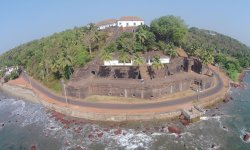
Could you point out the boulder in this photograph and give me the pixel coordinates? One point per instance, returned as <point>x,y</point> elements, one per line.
<point>185,122</point>
<point>181,116</point>
<point>33,147</point>
<point>246,137</point>
<point>100,134</point>
<point>174,129</point>
<point>118,132</point>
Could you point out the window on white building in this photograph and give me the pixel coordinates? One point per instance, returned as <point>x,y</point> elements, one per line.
<point>127,24</point>
<point>134,24</point>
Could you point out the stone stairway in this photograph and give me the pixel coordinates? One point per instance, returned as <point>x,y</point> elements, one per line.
<point>144,72</point>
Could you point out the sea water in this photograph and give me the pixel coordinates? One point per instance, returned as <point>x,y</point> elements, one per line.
<point>23,124</point>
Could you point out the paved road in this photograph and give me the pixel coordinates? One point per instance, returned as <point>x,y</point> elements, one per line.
<point>183,100</point>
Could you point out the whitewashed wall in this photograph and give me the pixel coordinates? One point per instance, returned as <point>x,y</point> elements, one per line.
<point>130,23</point>
<point>117,63</point>
<point>106,26</point>
<point>163,61</point>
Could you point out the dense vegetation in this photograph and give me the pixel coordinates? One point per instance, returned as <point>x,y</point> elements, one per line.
<point>52,58</point>
<point>55,57</point>
<point>228,53</point>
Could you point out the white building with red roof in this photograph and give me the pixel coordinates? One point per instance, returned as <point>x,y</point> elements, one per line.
<point>130,21</point>
<point>125,21</point>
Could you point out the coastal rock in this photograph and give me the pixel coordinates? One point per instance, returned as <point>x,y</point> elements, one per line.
<point>78,130</point>
<point>184,121</point>
<point>100,134</point>
<point>237,85</point>
<point>226,100</point>
<point>174,129</point>
<point>79,147</point>
<point>181,116</point>
<point>2,124</point>
<point>106,129</point>
<point>213,146</point>
<point>156,128</point>
<point>33,147</point>
<point>66,126</point>
<point>118,132</point>
<point>66,143</point>
<point>90,136</point>
<point>246,137</point>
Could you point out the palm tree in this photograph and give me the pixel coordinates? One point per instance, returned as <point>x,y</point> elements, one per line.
<point>171,51</point>
<point>141,36</point>
<point>91,36</point>
<point>55,66</point>
<point>65,60</point>
<point>157,62</point>
<point>126,42</point>
<point>61,62</point>
<point>106,56</point>
<point>138,60</point>
<point>124,57</point>
<point>44,64</point>
<point>207,57</point>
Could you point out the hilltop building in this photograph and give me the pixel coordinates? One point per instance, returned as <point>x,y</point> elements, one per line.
<point>125,21</point>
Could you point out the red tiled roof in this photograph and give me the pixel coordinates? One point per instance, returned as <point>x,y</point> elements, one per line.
<point>104,22</point>
<point>130,18</point>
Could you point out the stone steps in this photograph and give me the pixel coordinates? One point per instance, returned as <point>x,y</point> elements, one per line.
<point>144,72</point>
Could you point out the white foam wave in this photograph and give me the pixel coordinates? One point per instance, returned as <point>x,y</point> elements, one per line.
<point>134,140</point>
<point>204,118</point>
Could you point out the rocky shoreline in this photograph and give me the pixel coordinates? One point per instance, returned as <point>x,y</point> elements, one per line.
<point>240,83</point>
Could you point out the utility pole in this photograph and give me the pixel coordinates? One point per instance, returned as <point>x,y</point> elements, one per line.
<point>65,94</point>
<point>28,79</point>
<point>198,90</point>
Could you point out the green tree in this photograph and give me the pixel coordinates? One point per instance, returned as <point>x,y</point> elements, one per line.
<point>126,42</point>
<point>207,57</point>
<point>138,60</point>
<point>157,62</point>
<point>169,29</point>
<point>124,57</point>
<point>91,36</point>
<point>141,36</point>
<point>106,55</point>
<point>170,50</point>
<point>65,61</point>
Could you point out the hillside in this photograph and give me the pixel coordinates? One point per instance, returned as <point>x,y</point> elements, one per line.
<point>52,58</point>
<point>219,42</point>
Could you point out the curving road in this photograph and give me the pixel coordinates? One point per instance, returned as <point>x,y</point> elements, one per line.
<point>183,100</point>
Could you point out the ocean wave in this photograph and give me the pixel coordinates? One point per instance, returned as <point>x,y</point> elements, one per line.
<point>134,140</point>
